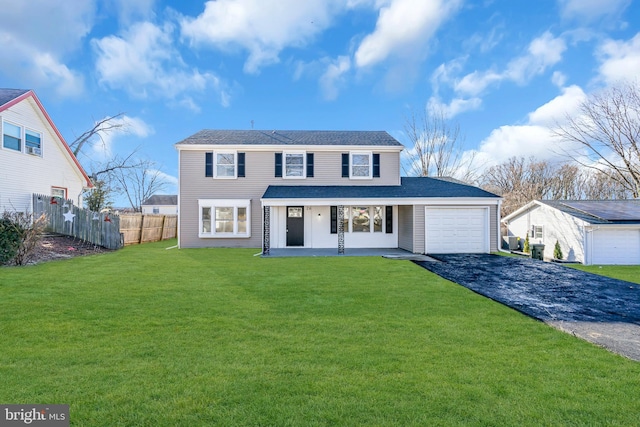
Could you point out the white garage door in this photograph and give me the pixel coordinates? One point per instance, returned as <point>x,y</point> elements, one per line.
<point>616,246</point>
<point>456,230</point>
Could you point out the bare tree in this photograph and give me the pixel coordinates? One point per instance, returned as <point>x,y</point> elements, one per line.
<point>139,183</point>
<point>436,148</point>
<point>100,128</point>
<point>607,133</point>
<point>520,180</point>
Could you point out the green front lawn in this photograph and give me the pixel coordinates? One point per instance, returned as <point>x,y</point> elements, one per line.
<point>630,273</point>
<point>149,337</point>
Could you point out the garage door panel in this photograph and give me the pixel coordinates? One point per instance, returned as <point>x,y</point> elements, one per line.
<point>456,230</point>
<point>616,246</point>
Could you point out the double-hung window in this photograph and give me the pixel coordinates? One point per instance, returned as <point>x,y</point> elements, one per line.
<point>11,136</point>
<point>224,164</point>
<point>294,164</point>
<point>221,218</point>
<point>361,165</point>
<point>33,144</point>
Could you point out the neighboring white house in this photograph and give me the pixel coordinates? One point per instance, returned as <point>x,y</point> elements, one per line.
<point>323,189</point>
<point>589,231</point>
<point>34,157</point>
<point>164,204</point>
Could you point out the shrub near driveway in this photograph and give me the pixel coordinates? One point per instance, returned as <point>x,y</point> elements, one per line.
<point>149,336</point>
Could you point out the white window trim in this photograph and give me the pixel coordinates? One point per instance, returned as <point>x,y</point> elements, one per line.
<point>224,203</point>
<point>534,233</point>
<point>22,135</point>
<point>235,164</point>
<point>37,152</point>
<point>349,226</point>
<point>284,164</point>
<point>367,153</point>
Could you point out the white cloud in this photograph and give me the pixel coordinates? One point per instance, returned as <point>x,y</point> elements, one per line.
<point>333,77</point>
<point>556,111</point>
<point>130,11</point>
<point>454,107</point>
<point>117,128</point>
<point>403,29</point>
<point>262,27</point>
<point>542,53</point>
<point>37,35</point>
<point>591,10</point>
<point>620,60</point>
<point>144,62</point>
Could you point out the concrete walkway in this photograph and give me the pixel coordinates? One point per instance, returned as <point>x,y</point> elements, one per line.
<point>598,309</point>
<point>392,253</point>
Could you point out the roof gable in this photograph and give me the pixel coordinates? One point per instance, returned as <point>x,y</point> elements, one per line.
<point>291,137</point>
<point>14,96</point>
<point>590,211</point>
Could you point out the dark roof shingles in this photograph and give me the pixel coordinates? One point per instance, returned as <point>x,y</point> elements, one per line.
<point>8,95</point>
<point>162,200</point>
<point>411,187</point>
<point>290,137</point>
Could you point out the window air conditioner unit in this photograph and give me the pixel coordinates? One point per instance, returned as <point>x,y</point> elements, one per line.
<point>35,151</point>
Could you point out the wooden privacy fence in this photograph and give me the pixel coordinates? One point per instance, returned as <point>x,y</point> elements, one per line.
<point>143,228</point>
<point>65,218</point>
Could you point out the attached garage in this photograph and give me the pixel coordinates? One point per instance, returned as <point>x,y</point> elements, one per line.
<point>456,230</point>
<point>616,246</point>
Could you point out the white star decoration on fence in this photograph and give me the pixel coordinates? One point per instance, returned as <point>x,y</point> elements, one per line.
<point>68,216</point>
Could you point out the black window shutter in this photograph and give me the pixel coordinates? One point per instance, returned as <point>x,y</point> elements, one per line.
<point>334,220</point>
<point>208,165</point>
<point>345,165</point>
<point>388,217</point>
<point>278,165</point>
<point>241,165</point>
<point>376,165</point>
<point>309,165</point>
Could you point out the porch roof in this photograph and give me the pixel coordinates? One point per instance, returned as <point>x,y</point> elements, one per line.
<point>410,187</point>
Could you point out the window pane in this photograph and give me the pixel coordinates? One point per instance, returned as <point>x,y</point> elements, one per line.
<point>377,219</point>
<point>345,219</point>
<point>206,220</point>
<point>242,220</point>
<point>11,137</point>
<point>294,165</point>
<point>360,219</point>
<point>224,220</point>
<point>32,139</point>
<point>225,164</point>
<point>360,165</point>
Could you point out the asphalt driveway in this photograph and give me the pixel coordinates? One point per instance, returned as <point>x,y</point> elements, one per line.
<point>598,309</point>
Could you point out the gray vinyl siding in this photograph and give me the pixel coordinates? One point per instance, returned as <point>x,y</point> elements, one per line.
<point>259,174</point>
<point>405,228</point>
<point>418,229</point>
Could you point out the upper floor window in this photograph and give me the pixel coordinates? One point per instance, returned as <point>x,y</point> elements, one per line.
<point>360,165</point>
<point>11,136</point>
<point>294,164</point>
<point>224,165</point>
<point>33,142</point>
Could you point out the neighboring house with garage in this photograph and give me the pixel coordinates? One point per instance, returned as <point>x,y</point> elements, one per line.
<point>34,157</point>
<point>322,189</point>
<point>163,204</point>
<point>589,231</point>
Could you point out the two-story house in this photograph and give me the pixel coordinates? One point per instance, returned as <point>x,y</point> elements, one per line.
<point>322,189</point>
<point>34,157</point>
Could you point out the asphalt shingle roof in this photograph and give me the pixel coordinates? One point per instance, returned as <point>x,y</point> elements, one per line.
<point>162,200</point>
<point>8,95</point>
<point>411,187</point>
<point>599,211</point>
<point>290,137</point>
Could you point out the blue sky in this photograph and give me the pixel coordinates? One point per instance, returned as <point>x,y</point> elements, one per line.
<point>504,70</point>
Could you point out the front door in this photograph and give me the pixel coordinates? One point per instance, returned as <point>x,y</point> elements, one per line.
<point>295,226</point>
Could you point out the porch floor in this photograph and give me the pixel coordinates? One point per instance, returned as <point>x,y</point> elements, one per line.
<point>391,253</point>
